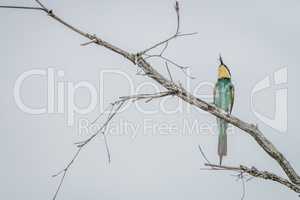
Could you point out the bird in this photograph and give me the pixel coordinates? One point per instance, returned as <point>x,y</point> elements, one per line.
<point>223,99</point>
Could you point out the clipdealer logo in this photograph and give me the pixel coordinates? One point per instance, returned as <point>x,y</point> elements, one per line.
<point>61,95</point>
<point>56,105</point>
<point>279,120</point>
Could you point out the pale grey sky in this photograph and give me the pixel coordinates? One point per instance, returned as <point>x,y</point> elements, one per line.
<point>256,38</point>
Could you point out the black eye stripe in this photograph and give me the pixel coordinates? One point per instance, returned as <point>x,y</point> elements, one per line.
<point>228,70</point>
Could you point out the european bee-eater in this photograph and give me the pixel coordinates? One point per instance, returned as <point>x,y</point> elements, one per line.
<point>223,98</point>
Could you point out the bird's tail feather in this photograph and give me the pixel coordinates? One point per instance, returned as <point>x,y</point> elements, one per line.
<point>222,144</point>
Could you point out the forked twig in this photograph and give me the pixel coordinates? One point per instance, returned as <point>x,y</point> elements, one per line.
<point>254,172</point>
<point>114,108</point>
<point>167,60</point>
<point>42,5</point>
<point>175,35</point>
<point>166,44</point>
<point>240,175</point>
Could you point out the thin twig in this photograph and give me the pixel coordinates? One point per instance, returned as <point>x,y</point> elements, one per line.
<point>178,16</point>
<point>106,145</point>
<point>23,7</point>
<point>164,49</point>
<point>171,79</point>
<point>65,171</point>
<point>114,110</point>
<point>243,187</point>
<point>60,184</point>
<point>89,42</point>
<point>42,5</point>
<point>241,177</point>
<point>181,67</point>
<point>167,60</point>
<point>147,97</point>
<point>203,154</point>
<point>100,115</point>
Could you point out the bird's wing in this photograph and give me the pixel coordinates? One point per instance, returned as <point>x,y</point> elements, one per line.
<point>215,93</point>
<point>232,97</point>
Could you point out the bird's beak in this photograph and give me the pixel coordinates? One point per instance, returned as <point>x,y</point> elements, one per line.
<point>221,60</point>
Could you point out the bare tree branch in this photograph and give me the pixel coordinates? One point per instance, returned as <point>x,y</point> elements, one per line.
<point>183,94</point>
<point>241,173</point>
<point>259,174</point>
